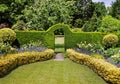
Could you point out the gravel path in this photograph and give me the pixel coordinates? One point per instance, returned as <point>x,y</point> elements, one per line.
<point>59,57</point>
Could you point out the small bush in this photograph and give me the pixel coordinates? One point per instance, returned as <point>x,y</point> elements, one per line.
<point>110,40</point>
<point>7,35</point>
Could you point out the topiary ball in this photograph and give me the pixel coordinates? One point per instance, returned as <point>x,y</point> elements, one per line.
<point>110,40</point>
<point>7,35</point>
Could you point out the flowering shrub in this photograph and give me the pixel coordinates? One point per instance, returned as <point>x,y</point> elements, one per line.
<point>90,47</point>
<point>107,71</point>
<point>116,58</point>
<point>11,61</point>
<point>32,46</point>
<point>5,48</point>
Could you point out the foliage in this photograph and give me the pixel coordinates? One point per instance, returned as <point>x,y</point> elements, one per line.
<point>32,46</point>
<point>12,61</point>
<point>20,25</point>
<point>3,8</point>
<point>77,37</point>
<point>110,52</point>
<point>5,48</point>
<point>114,10</point>
<point>7,35</point>
<point>109,24</point>
<point>93,24</point>
<point>100,9</point>
<point>78,23</point>
<point>45,13</point>
<point>11,10</point>
<point>89,48</point>
<point>110,40</point>
<point>107,71</point>
<point>115,58</point>
<point>84,11</point>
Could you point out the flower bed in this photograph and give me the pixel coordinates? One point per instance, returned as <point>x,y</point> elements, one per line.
<point>12,61</point>
<point>107,71</point>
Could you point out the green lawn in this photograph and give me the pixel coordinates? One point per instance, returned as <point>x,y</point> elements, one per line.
<point>52,72</point>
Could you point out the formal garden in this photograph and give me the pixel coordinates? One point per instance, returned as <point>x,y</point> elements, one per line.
<point>86,35</point>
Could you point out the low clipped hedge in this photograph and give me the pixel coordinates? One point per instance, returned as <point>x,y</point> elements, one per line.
<point>12,61</point>
<point>107,71</point>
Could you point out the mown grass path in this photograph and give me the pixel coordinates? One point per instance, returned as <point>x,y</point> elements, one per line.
<point>52,72</point>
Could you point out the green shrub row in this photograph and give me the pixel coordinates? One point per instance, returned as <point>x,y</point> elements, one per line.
<point>48,38</point>
<point>12,61</point>
<point>25,37</point>
<point>107,71</point>
<point>89,37</point>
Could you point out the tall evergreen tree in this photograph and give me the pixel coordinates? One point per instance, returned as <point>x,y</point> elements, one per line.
<point>115,9</point>
<point>84,10</point>
<point>100,9</point>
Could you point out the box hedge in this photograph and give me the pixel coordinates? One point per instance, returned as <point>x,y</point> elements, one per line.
<point>25,37</point>
<point>12,61</point>
<point>48,37</point>
<point>107,71</point>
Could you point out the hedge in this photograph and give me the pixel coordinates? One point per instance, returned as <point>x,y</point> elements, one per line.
<point>12,61</point>
<point>90,37</point>
<point>107,71</point>
<point>48,37</point>
<point>25,37</point>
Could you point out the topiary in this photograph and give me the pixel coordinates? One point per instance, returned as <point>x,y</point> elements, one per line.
<point>7,35</point>
<point>110,40</point>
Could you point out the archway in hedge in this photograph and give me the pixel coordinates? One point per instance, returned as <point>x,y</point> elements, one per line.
<point>66,30</point>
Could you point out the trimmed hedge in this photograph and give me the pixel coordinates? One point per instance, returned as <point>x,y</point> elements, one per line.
<point>107,71</point>
<point>12,61</point>
<point>48,37</point>
<point>89,37</point>
<point>25,37</point>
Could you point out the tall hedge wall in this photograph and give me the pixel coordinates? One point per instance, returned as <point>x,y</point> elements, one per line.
<point>48,37</point>
<point>90,37</point>
<point>27,36</point>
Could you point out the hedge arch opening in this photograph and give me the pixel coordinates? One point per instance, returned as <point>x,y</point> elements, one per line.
<point>66,30</point>
<point>59,40</point>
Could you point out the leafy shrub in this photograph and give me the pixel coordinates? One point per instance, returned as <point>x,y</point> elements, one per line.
<point>109,24</point>
<point>7,35</point>
<point>12,61</point>
<point>110,40</point>
<point>107,71</point>
<point>32,46</point>
<point>5,48</point>
<point>20,25</point>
